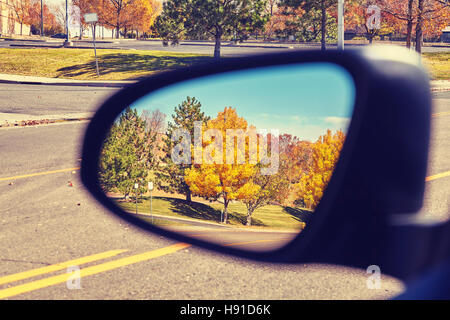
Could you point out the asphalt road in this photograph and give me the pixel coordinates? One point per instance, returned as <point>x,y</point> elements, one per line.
<point>200,47</point>
<point>48,219</point>
<point>48,100</point>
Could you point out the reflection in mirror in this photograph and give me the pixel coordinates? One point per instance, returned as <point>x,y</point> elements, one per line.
<point>241,158</point>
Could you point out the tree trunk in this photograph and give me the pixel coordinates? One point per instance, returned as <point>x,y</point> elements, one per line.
<point>217,45</point>
<point>188,196</point>
<point>225,211</point>
<point>117,31</point>
<point>419,33</point>
<point>323,26</point>
<point>410,24</point>
<point>249,217</point>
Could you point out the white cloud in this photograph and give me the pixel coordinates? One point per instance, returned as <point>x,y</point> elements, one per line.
<point>338,121</point>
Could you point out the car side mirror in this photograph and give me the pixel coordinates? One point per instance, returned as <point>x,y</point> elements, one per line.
<point>297,157</point>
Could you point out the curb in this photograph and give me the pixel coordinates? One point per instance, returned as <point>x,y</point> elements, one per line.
<point>71,84</point>
<point>63,82</point>
<point>61,46</point>
<point>49,82</point>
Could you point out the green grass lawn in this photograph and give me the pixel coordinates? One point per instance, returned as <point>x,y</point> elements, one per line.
<point>80,63</point>
<point>272,216</point>
<point>438,64</point>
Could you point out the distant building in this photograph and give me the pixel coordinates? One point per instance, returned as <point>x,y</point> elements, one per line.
<point>446,35</point>
<point>100,32</point>
<point>8,21</point>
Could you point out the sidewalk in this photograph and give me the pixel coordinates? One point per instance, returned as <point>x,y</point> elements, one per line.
<point>17,79</point>
<point>436,85</point>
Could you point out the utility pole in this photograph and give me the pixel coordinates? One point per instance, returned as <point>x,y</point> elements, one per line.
<point>341,25</point>
<point>67,42</point>
<point>42,18</point>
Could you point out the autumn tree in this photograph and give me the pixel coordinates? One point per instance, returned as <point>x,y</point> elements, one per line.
<point>155,122</point>
<point>140,15</point>
<point>170,175</point>
<point>433,14</point>
<point>84,7</point>
<point>210,18</point>
<point>316,11</point>
<point>218,178</point>
<point>51,25</point>
<point>112,13</point>
<point>357,17</point>
<point>427,17</point>
<point>276,19</point>
<point>122,14</point>
<point>21,10</point>
<point>264,189</point>
<point>295,158</point>
<point>314,180</point>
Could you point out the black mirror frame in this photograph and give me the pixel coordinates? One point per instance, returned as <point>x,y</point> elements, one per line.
<point>350,60</point>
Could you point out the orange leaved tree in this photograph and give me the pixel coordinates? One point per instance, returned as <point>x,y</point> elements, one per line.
<point>314,180</point>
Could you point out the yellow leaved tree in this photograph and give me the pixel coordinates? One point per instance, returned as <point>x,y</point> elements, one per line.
<point>314,180</point>
<point>216,177</point>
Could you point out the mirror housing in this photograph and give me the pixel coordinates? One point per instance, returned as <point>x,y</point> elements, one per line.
<point>381,170</point>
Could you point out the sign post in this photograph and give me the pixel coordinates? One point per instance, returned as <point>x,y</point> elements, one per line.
<point>136,187</point>
<point>92,18</point>
<point>150,187</point>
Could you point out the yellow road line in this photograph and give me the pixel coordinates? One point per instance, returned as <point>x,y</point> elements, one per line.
<point>107,266</point>
<point>59,266</point>
<point>437,176</point>
<point>440,114</point>
<point>39,174</point>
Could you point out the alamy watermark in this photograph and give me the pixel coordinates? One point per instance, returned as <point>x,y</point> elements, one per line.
<point>74,279</point>
<point>374,18</point>
<point>238,146</point>
<point>374,280</point>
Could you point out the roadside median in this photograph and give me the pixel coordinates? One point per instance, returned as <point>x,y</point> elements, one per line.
<point>20,79</point>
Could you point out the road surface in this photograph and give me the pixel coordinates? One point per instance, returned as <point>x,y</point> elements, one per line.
<point>200,47</point>
<point>48,218</point>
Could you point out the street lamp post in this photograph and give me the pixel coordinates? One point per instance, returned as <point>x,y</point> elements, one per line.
<point>67,42</point>
<point>340,24</point>
<point>42,18</point>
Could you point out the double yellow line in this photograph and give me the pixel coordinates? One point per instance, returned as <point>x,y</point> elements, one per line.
<point>84,272</point>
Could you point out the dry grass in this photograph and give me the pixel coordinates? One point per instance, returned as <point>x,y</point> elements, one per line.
<point>438,64</point>
<point>80,63</point>
<point>131,64</point>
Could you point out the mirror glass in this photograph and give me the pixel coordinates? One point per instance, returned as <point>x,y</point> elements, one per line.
<point>240,158</point>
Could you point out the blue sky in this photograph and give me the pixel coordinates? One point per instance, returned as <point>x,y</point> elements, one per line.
<point>303,100</point>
